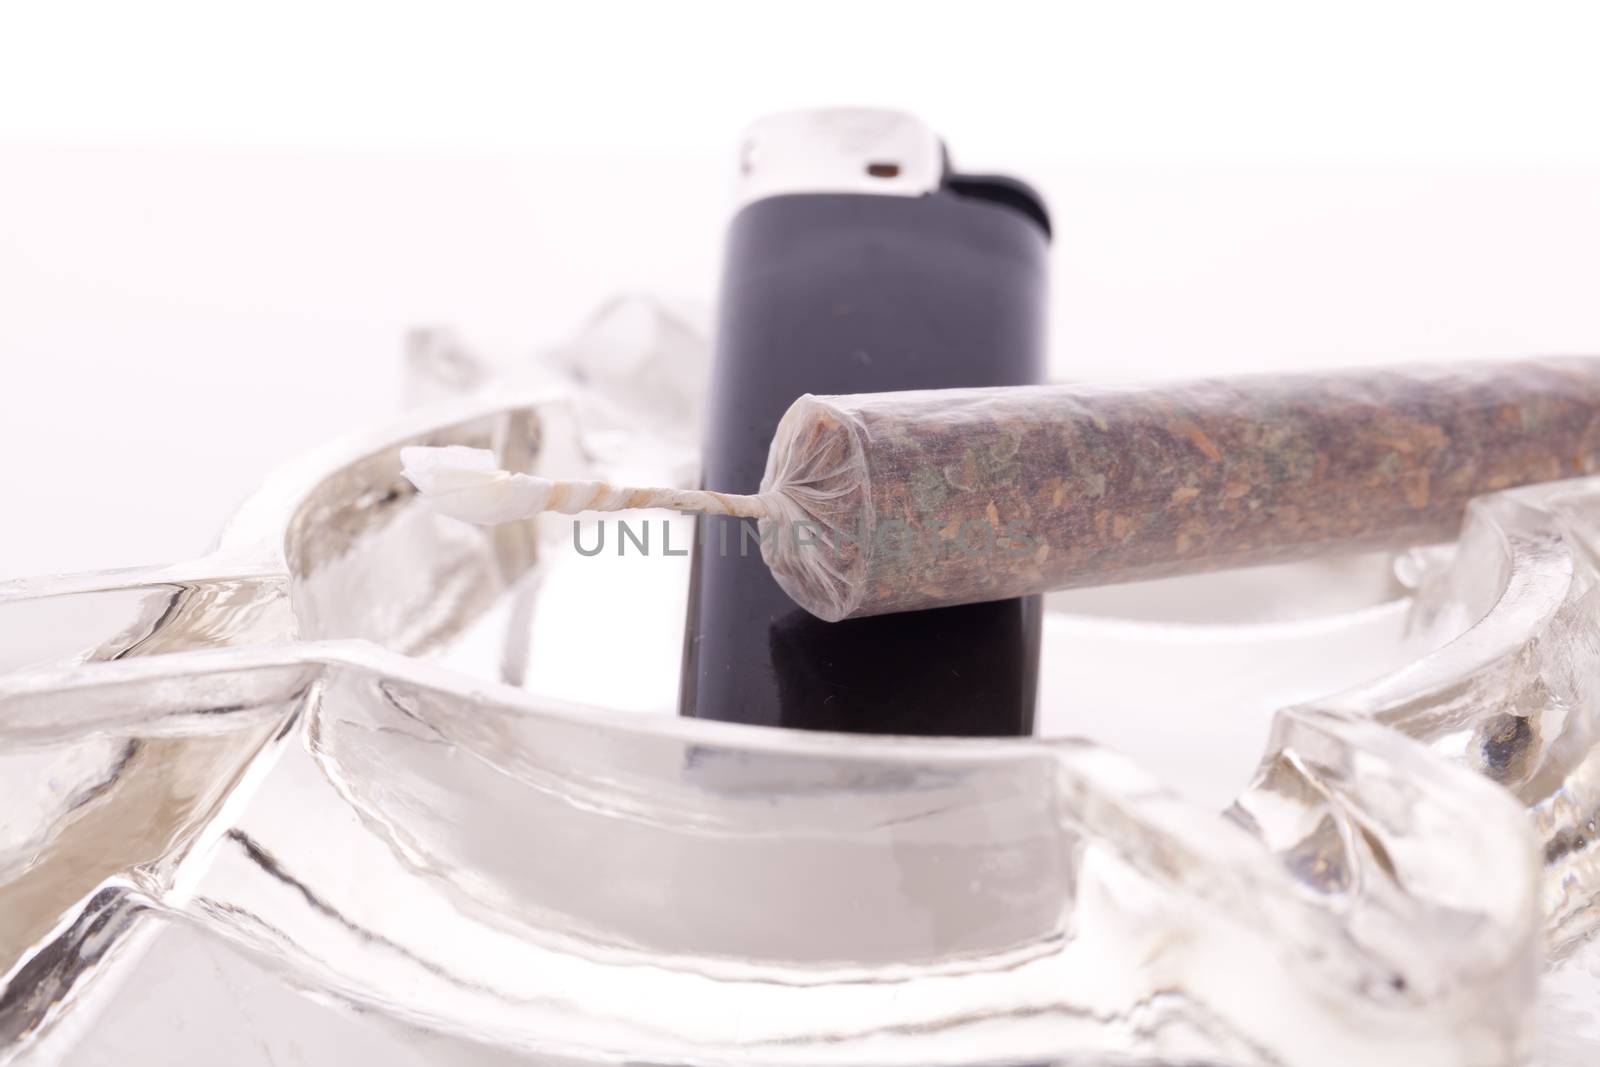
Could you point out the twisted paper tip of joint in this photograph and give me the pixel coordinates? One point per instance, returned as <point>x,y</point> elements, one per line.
<point>468,484</point>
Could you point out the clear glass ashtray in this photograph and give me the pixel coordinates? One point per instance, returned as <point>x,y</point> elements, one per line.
<point>366,784</point>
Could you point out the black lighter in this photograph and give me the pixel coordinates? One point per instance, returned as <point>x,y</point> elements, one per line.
<point>859,263</point>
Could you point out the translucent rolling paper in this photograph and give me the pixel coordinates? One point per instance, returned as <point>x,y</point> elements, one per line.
<point>890,502</point>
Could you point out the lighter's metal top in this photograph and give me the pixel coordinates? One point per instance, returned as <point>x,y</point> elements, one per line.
<point>839,150</point>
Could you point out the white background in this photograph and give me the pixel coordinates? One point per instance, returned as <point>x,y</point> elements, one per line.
<point>217,220</point>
